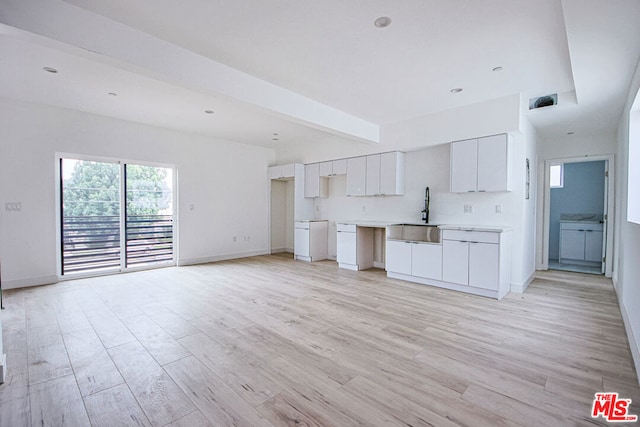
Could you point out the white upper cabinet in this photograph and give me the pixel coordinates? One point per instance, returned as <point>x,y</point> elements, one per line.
<point>281,171</point>
<point>339,167</point>
<point>326,168</point>
<point>356,176</point>
<point>373,175</point>
<point>333,168</point>
<point>480,164</point>
<point>464,166</point>
<point>314,185</point>
<point>493,163</point>
<point>392,173</point>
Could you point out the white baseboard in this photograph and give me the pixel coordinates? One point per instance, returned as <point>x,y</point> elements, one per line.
<point>26,283</point>
<point>521,287</point>
<point>3,367</point>
<point>633,342</point>
<point>225,257</point>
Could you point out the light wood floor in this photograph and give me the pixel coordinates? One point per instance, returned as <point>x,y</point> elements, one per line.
<point>268,341</point>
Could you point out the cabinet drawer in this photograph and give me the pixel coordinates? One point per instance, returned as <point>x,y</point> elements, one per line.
<point>471,236</point>
<point>581,226</point>
<point>351,228</point>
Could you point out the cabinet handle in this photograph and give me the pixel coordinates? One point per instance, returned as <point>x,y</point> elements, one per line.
<point>589,231</point>
<point>471,191</point>
<point>482,191</point>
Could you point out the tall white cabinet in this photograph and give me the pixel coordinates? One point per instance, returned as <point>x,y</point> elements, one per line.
<point>480,164</point>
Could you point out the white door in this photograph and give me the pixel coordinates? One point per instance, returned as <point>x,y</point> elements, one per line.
<point>455,262</point>
<point>312,180</point>
<point>492,163</point>
<point>398,257</point>
<point>572,244</point>
<point>346,247</point>
<point>356,176</point>
<point>484,265</point>
<point>373,175</point>
<point>301,242</point>
<point>593,245</point>
<point>426,260</point>
<point>464,166</point>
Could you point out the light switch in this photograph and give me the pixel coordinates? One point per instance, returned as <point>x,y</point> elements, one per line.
<point>468,208</point>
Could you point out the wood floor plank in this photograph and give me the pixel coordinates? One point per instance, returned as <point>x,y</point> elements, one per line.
<point>155,340</point>
<point>213,397</point>
<point>15,409</point>
<point>109,328</point>
<point>272,341</point>
<point>115,407</point>
<point>160,398</point>
<point>92,366</point>
<point>47,355</point>
<point>57,403</point>
<point>194,419</point>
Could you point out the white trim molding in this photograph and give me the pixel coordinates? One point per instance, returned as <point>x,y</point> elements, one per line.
<point>225,257</point>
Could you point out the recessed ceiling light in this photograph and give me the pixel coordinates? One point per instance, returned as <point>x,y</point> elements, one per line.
<point>456,90</point>
<point>209,111</point>
<point>382,22</point>
<point>50,70</point>
<point>275,134</point>
<point>496,69</point>
<point>571,133</point>
<point>113,94</point>
<point>275,139</point>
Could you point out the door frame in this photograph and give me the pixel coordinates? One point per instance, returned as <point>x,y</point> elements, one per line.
<point>544,183</point>
<point>121,162</point>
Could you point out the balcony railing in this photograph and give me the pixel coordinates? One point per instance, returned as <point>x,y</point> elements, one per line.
<point>92,243</point>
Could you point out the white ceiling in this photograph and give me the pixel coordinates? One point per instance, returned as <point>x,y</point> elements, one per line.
<point>326,58</point>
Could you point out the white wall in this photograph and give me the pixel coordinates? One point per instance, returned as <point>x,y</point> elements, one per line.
<point>576,146</point>
<point>626,274</point>
<point>229,201</point>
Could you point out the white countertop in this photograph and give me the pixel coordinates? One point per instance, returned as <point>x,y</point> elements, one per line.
<point>489,228</point>
<point>311,220</point>
<point>365,223</point>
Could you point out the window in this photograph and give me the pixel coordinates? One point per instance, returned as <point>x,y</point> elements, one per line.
<point>556,176</point>
<point>102,231</point>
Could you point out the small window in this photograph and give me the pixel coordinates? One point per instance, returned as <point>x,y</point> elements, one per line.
<point>556,176</point>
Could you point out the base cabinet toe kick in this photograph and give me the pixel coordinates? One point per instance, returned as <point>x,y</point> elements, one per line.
<point>466,260</point>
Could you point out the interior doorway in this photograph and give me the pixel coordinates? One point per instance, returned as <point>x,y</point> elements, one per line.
<point>577,208</point>
<point>282,216</point>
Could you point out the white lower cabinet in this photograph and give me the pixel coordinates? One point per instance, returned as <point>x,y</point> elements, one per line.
<point>426,260</point>
<point>470,261</point>
<point>484,265</point>
<point>455,262</point>
<point>414,259</point>
<point>346,248</point>
<point>398,256</point>
<point>310,240</point>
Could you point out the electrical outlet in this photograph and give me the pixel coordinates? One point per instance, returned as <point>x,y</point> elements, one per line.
<point>235,238</point>
<point>13,206</point>
<point>364,208</point>
<point>468,208</point>
<point>498,209</point>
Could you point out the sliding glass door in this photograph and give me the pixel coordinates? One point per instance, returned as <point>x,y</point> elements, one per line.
<point>114,216</point>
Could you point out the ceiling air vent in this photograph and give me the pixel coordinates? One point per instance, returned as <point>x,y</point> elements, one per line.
<point>543,101</point>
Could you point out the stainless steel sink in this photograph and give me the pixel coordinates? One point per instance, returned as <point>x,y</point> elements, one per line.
<point>428,233</point>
